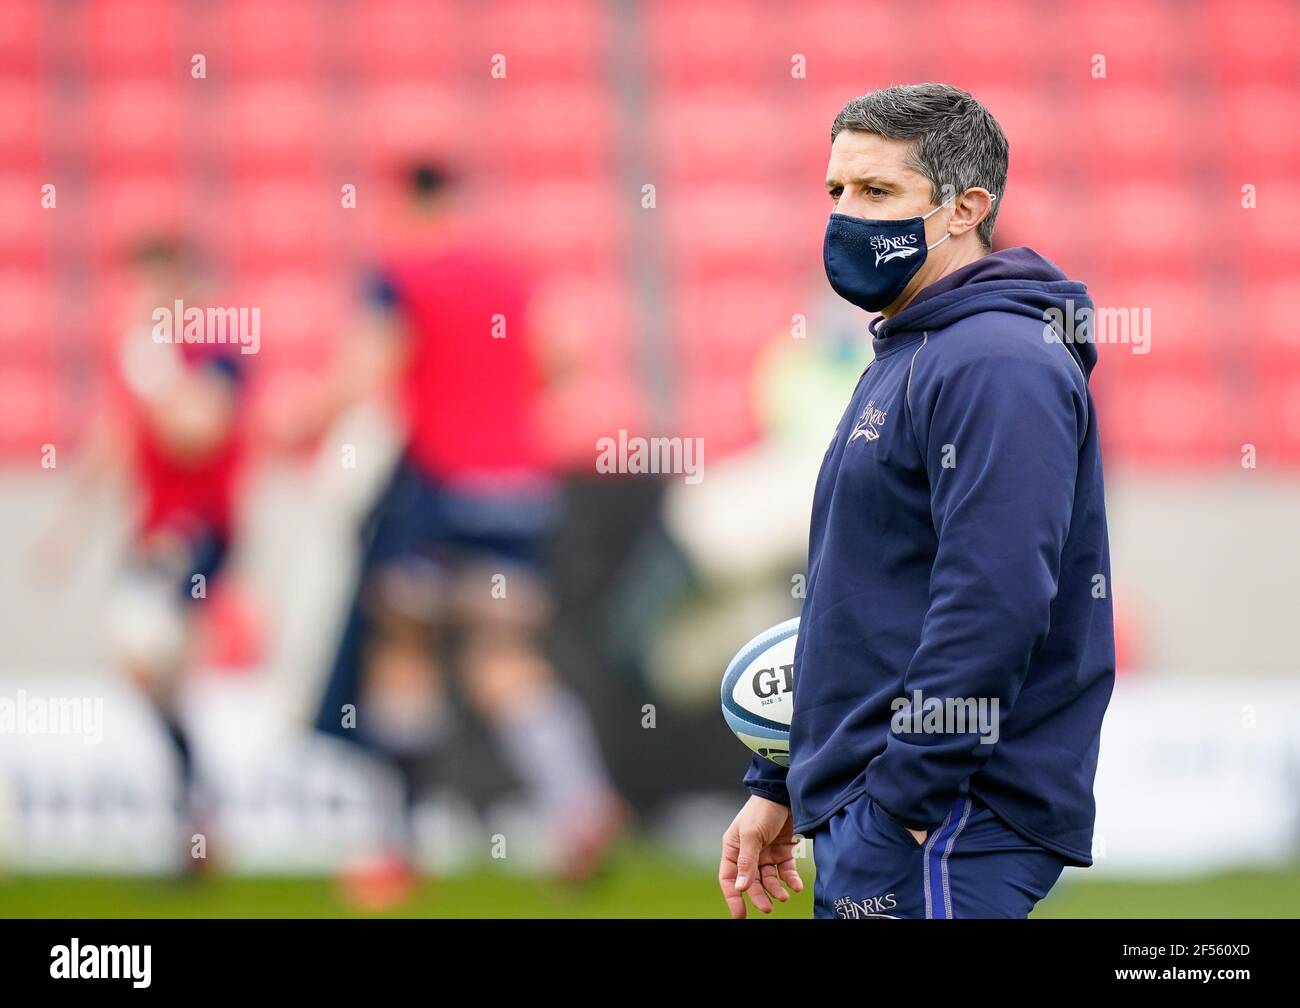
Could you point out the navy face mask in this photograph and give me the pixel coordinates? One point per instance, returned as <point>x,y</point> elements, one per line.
<point>869,262</point>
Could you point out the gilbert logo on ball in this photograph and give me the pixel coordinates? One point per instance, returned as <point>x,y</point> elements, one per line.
<point>758,692</point>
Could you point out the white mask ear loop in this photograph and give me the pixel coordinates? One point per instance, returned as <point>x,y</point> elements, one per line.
<point>992,196</point>
<point>931,214</point>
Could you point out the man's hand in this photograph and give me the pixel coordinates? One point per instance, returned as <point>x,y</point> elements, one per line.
<point>758,846</point>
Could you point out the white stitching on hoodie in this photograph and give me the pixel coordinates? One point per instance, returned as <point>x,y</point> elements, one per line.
<point>907,395</point>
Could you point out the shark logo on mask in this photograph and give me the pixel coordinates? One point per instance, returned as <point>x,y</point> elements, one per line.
<point>889,249</point>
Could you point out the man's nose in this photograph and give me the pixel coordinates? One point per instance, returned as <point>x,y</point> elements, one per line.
<point>852,206</point>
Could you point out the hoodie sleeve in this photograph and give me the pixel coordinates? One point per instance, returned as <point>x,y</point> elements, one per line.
<point>767,780</point>
<point>1000,437</point>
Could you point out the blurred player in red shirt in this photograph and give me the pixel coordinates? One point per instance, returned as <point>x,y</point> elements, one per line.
<point>170,429</point>
<point>453,549</point>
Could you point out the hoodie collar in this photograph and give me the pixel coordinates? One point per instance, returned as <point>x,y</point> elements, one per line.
<point>880,326</point>
<point>1016,279</point>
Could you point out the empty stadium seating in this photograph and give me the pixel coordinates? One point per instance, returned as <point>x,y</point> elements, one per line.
<point>1133,180</point>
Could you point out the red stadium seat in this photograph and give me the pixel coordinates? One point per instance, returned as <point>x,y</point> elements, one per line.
<point>571,226</point>
<point>731,227</point>
<point>849,46</point>
<point>1131,182</point>
<point>1156,223</point>
<point>272,126</point>
<point>560,41</point>
<point>137,124</point>
<point>281,222</point>
<point>1257,42</point>
<point>1263,239</point>
<point>720,325</point>
<point>32,412</point>
<point>530,131</point>
<point>1157,324</point>
<point>1179,420</point>
<point>408,40</point>
<point>1260,137</point>
<point>272,38</point>
<point>131,39</point>
<point>28,324</point>
<point>1129,131</point>
<point>26,227</point>
<point>24,25</point>
<point>719,409</point>
<point>1152,43</point>
<point>725,42</point>
<point>731,134</point>
<point>997,41</point>
<point>26,111</point>
<point>1273,426</point>
<point>1270,320</point>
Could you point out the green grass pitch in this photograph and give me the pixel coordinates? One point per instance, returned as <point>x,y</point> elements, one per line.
<point>641,881</point>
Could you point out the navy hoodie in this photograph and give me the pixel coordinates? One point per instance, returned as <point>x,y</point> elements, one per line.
<point>958,551</point>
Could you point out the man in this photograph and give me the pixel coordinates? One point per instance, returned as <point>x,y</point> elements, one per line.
<point>453,560</point>
<point>958,558</point>
<point>170,427</point>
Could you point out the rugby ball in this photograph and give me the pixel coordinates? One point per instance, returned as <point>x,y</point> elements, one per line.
<point>758,692</point>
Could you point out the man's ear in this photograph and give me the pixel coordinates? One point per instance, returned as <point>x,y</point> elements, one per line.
<point>969,209</point>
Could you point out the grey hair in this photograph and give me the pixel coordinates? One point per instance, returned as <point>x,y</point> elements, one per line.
<point>955,140</point>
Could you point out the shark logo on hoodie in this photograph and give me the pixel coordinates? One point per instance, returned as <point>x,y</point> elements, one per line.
<point>869,423</point>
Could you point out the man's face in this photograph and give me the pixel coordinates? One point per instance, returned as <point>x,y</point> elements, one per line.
<point>160,280</point>
<point>868,177</point>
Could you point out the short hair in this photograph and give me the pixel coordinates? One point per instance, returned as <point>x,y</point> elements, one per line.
<point>426,179</point>
<point>154,250</point>
<point>955,140</point>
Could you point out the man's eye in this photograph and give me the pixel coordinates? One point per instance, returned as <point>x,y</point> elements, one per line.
<point>835,193</point>
<point>873,191</point>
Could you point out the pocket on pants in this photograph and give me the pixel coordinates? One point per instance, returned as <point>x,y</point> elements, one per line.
<point>868,867</point>
<point>875,824</point>
<point>891,824</point>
